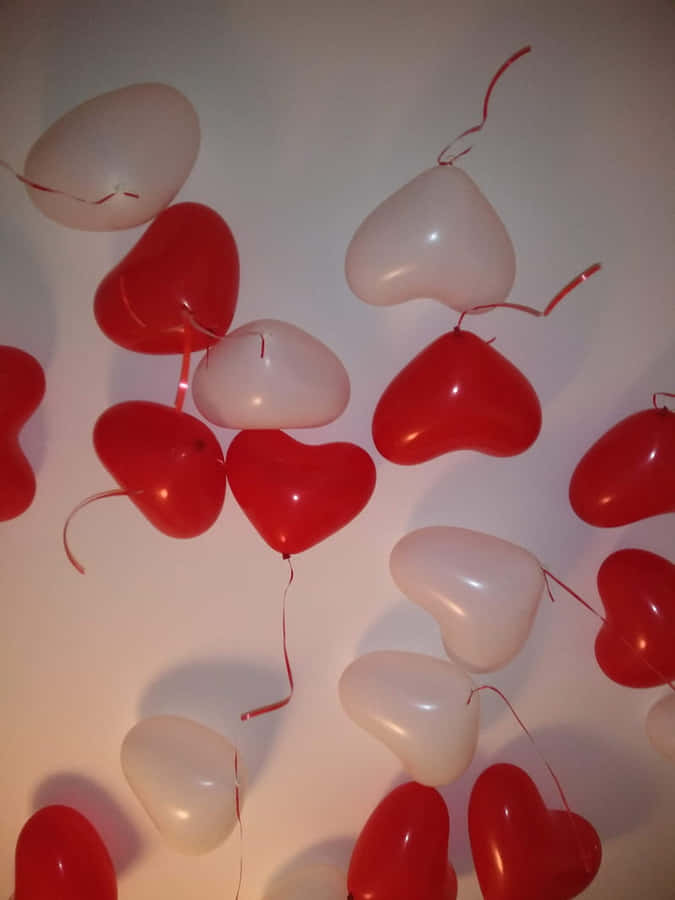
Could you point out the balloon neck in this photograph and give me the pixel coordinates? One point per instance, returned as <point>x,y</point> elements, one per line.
<point>286,556</point>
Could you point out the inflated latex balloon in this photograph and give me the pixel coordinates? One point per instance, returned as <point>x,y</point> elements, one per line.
<point>457,394</point>
<point>629,473</point>
<point>22,387</point>
<point>168,462</point>
<point>437,237</point>
<point>636,645</point>
<point>185,777</point>
<point>141,139</point>
<point>521,849</point>
<point>660,726</point>
<point>483,591</point>
<point>319,882</point>
<point>60,856</point>
<point>418,707</point>
<point>402,850</point>
<point>184,268</point>
<point>270,374</point>
<point>296,494</point>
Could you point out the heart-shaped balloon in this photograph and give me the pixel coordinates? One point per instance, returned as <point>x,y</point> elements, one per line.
<point>295,494</point>
<point>457,394</point>
<point>521,849</point>
<point>402,850</point>
<point>22,386</point>
<point>60,856</point>
<point>319,882</point>
<point>185,777</point>
<point>636,646</point>
<point>170,464</point>
<point>142,139</point>
<point>436,237</point>
<point>629,473</point>
<point>185,265</point>
<point>270,374</point>
<point>660,726</point>
<point>483,591</point>
<point>418,706</point>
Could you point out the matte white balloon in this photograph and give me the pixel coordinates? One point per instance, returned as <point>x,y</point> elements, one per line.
<point>417,706</point>
<point>319,882</point>
<point>143,138</point>
<point>660,726</point>
<point>436,237</point>
<point>270,374</point>
<point>184,776</point>
<point>483,591</point>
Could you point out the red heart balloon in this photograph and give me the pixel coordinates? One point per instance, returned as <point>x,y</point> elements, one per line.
<point>521,849</point>
<point>629,473</point>
<point>170,463</point>
<point>186,256</point>
<point>402,850</point>
<point>457,394</point>
<point>22,387</point>
<point>295,494</point>
<point>638,592</point>
<point>60,856</point>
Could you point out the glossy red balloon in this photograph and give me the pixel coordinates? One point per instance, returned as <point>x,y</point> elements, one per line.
<point>170,462</point>
<point>402,851</point>
<point>629,473</point>
<point>297,494</point>
<point>187,255</point>
<point>60,856</point>
<point>457,394</point>
<point>22,387</point>
<point>521,849</point>
<point>638,592</point>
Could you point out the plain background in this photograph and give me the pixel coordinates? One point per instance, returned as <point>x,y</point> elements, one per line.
<point>313,113</point>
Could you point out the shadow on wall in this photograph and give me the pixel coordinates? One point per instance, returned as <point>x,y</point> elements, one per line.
<point>86,796</point>
<point>214,692</point>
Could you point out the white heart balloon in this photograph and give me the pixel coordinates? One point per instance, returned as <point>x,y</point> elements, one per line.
<point>270,374</point>
<point>483,591</point>
<point>436,237</point>
<point>319,882</point>
<point>418,706</point>
<point>184,776</point>
<point>660,726</point>
<point>143,139</point>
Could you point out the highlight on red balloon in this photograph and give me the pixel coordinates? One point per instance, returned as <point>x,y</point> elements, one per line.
<point>59,854</point>
<point>402,850</point>
<point>22,383</point>
<point>168,463</point>
<point>628,474</point>
<point>182,274</point>
<point>521,849</point>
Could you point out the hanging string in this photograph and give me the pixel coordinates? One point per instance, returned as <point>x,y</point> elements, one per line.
<point>661,394</point>
<point>115,492</point>
<point>624,640</point>
<point>207,331</point>
<point>486,101</point>
<point>50,190</point>
<point>237,806</point>
<point>575,282</point>
<point>184,378</point>
<point>489,687</point>
<point>262,710</point>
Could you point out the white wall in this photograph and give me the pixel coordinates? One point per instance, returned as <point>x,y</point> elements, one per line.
<point>311,115</point>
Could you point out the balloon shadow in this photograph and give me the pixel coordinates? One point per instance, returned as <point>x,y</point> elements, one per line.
<point>215,692</point>
<point>334,852</point>
<point>89,798</point>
